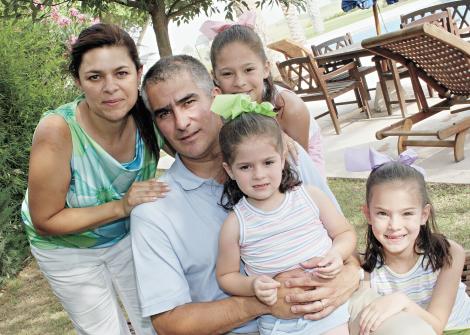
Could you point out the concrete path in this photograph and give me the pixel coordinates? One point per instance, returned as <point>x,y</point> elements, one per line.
<point>357,131</point>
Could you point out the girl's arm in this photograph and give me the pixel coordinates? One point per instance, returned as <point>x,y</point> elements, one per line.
<point>228,261</point>
<point>444,293</point>
<point>49,181</point>
<point>339,229</point>
<point>294,117</point>
<point>228,268</point>
<point>439,309</point>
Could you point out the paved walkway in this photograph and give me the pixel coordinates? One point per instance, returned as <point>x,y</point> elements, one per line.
<point>357,131</point>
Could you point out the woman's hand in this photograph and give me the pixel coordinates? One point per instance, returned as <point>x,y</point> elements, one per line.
<point>143,191</point>
<point>291,147</point>
<point>379,310</point>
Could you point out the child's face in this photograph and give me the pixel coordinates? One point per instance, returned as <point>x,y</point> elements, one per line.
<point>396,213</point>
<point>240,70</point>
<point>257,169</point>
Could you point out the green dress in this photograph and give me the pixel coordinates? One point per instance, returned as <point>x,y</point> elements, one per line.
<point>96,178</point>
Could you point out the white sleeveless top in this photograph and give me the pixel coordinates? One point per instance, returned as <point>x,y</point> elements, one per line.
<point>418,284</point>
<point>276,241</point>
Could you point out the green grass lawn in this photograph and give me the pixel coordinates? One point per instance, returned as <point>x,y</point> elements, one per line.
<point>29,308</point>
<point>451,203</point>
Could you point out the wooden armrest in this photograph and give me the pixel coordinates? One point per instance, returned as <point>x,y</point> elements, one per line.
<point>346,68</point>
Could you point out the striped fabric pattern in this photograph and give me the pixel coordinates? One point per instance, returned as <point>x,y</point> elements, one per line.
<point>96,178</point>
<point>276,241</point>
<point>418,284</point>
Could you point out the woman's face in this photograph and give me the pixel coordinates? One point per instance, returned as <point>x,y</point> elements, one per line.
<point>109,79</point>
<point>240,70</point>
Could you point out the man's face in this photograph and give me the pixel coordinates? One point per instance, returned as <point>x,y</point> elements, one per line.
<point>183,116</point>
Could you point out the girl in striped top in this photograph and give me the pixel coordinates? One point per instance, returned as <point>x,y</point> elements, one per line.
<point>413,267</point>
<point>276,223</point>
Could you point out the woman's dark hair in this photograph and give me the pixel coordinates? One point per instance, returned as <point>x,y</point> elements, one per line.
<point>250,38</point>
<point>237,130</point>
<point>430,243</point>
<point>108,35</point>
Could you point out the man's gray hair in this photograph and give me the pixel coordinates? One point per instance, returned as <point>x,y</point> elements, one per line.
<point>170,67</point>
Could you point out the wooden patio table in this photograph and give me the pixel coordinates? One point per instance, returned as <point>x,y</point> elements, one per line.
<point>356,50</point>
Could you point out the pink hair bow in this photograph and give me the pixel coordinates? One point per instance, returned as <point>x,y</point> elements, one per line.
<point>367,159</point>
<point>211,28</point>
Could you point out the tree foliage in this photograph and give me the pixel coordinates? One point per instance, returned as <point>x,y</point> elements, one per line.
<point>161,12</point>
<point>34,79</point>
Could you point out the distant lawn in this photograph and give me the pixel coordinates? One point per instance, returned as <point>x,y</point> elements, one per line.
<point>29,308</point>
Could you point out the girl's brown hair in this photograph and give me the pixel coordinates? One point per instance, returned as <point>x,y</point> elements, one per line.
<point>430,243</point>
<point>108,35</point>
<point>250,38</point>
<point>237,130</point>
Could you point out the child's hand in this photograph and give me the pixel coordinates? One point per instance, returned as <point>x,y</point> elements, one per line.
<point>266,289</point>
<point>379,310</point>
<point>330,265</point>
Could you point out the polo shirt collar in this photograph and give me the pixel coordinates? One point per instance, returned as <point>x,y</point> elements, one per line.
<point>188,180</point>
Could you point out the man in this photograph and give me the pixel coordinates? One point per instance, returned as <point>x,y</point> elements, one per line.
<point>175,239</point>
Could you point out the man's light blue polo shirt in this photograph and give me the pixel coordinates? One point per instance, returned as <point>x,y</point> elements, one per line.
<point>175,240</point>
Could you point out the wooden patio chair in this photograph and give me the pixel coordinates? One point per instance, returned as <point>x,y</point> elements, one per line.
<point>335,44</point>
<point>441,19</point>
<point>459,10</point>
<point>289,48</point>
<point>440,59</point>
<point>308,80</point>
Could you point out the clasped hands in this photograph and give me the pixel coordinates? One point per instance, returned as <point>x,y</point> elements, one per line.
<point>309,292</point>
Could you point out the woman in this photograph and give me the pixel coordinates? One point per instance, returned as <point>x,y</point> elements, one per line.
<point>92,161</point>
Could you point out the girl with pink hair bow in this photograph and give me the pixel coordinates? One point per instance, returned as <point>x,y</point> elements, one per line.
<point>240,65</point>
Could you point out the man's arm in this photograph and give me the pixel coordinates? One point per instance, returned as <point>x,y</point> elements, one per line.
<point>205,318</point>
<point>164,291</point>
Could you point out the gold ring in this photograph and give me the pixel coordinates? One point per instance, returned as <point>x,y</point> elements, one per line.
<point>322,305</point>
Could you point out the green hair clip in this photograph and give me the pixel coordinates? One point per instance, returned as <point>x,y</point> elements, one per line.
<point>229,106</point>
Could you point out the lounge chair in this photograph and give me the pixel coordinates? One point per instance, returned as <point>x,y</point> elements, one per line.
<point>440,59</point>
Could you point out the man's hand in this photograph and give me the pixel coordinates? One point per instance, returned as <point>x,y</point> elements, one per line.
<point>266,289</point>
<point>311,296</point>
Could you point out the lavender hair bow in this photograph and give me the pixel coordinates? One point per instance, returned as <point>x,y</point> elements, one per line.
<point>211,28</point>
<point>367,159</point>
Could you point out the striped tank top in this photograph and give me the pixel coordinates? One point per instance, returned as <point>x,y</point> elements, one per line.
<point>418,284</point>
<point>96,178</point>
<point>276,241</point>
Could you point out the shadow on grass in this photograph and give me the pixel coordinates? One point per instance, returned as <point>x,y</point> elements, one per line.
<point>30,308</point>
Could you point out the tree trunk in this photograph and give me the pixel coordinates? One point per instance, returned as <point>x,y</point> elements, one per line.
<point>160,27</point>
<point>295,27</point>
<point>313,11</point>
